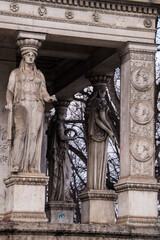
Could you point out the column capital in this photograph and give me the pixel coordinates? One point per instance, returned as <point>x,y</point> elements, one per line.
<point>31,35</point>
<point>61,105</point>
<point>99,79</point>
<point>130,47</point>
<point>30,41</point>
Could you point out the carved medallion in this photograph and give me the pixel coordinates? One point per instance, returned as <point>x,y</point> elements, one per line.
<point>42,10</point>
<point>69,14</point>
<point>142,112</point>
<point>141,149</point>
<point>14,7</point>
<point>147,23</point>
<point>141,78</point>
<point>96,16</point>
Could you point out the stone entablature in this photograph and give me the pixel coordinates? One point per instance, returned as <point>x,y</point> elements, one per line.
<point>112,21</point>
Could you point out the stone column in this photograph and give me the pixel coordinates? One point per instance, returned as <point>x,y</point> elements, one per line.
<point>25,190</point>
<point>98,204</point>
<point>60,207</point>
<point>137,187</point>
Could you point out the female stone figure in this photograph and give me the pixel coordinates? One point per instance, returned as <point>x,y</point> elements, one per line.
<point>26,94</point>
<point>97,132</point>
<point>57,154</point>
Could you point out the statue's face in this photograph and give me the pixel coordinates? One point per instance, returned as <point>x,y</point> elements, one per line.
<point>29,57</point>
<point>102,93</point>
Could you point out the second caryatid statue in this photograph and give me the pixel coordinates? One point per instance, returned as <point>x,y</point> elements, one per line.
<point>59,201</point>
<point>26,95</point>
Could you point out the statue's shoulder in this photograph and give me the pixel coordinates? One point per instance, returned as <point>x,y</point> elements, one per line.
<point>14,72</point>
<point>40,73</point>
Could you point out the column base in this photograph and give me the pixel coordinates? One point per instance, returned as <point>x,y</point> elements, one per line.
<point>25,197</point>
<point>98,206</point>
<point>137,201</point>
<point>60,211</point>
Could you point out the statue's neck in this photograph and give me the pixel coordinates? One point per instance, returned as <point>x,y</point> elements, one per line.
<point>29,67</point>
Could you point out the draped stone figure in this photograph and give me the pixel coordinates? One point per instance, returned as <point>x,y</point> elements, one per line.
<point>57,154</point>
<point>97,132</point>
<point>26,94</point>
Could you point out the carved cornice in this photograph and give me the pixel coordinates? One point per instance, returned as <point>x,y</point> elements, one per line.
<point>114,6</point>
<point>25,216</point>
<point>60,205</point>
<point>137,220</point>
<point>137,187</point>
<point>26,179</point>
<point>98,195</point>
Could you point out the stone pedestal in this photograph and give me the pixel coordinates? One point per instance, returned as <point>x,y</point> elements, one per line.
<point>137,187</point>
<point>137,199</point>
<point>60,211</point>
<point>25,197</point>
<point>98,206</point>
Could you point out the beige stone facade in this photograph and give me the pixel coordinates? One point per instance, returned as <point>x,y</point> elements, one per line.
<point>81,37</point>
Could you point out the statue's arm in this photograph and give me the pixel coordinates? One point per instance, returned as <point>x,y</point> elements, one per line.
<point>45,95</point>
<point>103,126</point>
<point>104,119</point>
<point>61,133</point>
<point>10,90</point>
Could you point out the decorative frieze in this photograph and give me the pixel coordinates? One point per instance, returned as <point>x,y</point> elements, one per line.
<point>109,6</point>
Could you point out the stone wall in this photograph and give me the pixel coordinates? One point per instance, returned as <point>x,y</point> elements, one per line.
<point>46,231</point>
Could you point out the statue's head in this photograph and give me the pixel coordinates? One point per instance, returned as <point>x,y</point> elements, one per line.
<point>29,57</point>
<point>101,90</point>
<point>61,109</point>
<point>29,49</point>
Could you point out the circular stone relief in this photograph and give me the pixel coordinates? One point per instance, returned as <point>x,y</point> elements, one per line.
<point>142,78</point>
<point>141,149</point>
<point>142,112</point>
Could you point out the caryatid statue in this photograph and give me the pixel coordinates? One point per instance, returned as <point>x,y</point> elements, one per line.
<point>97,132</point>
<point>26,95</point>
<point>57,154</point>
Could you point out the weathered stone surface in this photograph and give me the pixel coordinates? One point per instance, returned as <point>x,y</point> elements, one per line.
<point>137,186</point>
<point>112,24</point>
<point>7,63</point>
<point>60,211</point>
<point>48,231</point>
<point>98,206</point>
<point>25,198</point>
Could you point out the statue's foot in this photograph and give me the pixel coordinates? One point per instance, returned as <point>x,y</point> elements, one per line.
<point>33,170</point>
<point>15,170</point>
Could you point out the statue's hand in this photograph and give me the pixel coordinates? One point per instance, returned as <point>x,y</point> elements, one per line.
<point>9,106</point>
<point>53,98</point>
<point>111,135</point>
